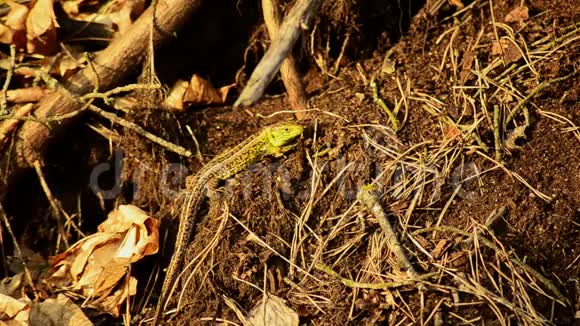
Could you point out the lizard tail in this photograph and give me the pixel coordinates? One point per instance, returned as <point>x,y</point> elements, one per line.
<point>186,223</point>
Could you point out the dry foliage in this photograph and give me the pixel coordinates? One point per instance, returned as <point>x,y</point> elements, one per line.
<point>309,249</point>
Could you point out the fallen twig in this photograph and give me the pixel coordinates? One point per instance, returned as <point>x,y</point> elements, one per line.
<point>57,209</point>
<point>138,129</point>
<point>368,196</point>
<point>117,90</point>
<point>381,103</point>
<point>9,72</point>
<point>535,92</point>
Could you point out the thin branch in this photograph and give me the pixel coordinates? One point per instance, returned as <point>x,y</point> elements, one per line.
<point>368,196</point>
<point>298,18</point>
<point>138,129</point>
<point>290,76</point>
<point>535,92</point>
<point>18,252</point>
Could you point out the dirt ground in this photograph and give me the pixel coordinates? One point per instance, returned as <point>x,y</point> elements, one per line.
<point>449,167</point>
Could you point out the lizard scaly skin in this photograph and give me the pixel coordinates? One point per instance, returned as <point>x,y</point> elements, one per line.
<point>274,140</point>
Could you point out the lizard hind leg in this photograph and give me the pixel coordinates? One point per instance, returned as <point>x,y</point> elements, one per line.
<point>216,196</point>
<point>212,189</point>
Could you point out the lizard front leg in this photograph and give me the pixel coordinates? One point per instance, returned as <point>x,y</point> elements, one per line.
<point>281,151</point>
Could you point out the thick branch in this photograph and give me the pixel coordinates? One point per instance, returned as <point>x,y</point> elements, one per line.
<point>110,67</point>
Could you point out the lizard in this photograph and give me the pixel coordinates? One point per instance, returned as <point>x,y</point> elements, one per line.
<point>274,140</point>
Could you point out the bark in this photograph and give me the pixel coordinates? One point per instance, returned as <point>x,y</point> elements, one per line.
<point>110,67</point>
<point>288,71</point>
<point>298,18</point>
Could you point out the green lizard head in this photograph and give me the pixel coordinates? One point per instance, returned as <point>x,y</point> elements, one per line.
<point>282,134</point>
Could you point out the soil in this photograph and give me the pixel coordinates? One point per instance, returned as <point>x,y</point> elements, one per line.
<point>304,207</point>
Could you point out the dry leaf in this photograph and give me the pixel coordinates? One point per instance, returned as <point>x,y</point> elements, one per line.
<point>60,311</point>
<point>66,66</point>
<point>16,18</point>
<point>174,99</point>
<point>12,285</point>
<point>143,234</point>
<point>41,28</point>
<point>98,264</point>
<point>73,7</point>
<point>103,270</point>
<point>202,92</point>
<point>122,18</point>
<point>126,103</point>
<point>507,50</point>
<point>273,312</point>
<point>13,312</point>
<point>439,248</point>
<point>6,34</point>
<point>457,3</point>
<point>118,15</point>
<point>112,303</point>
<point>519,14</point>
<point>452,133</point>
<point>14,29</point>
<point>121,13</point>
<point>197,91</point>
